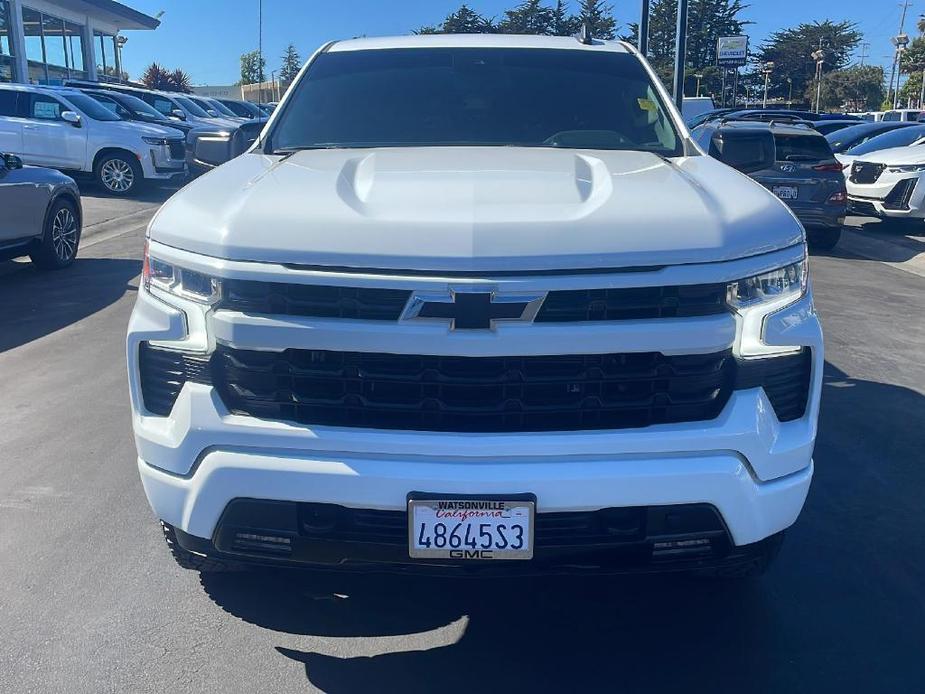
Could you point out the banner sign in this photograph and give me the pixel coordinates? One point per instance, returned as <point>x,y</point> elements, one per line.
<point>732,51</point>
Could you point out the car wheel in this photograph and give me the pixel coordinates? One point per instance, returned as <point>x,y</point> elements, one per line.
<point>118,174</point>
<point>58,245</point>
<point>823,239</point>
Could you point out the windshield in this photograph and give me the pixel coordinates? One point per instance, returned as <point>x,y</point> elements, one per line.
<point>473,96</point>
<point>139,107</point>
<point>191,107</point>
<point>894,138</point>
<point>91,107</point>
<point>221,108</point>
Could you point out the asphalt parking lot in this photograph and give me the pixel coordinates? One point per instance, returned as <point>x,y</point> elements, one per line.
<point>90,600</point>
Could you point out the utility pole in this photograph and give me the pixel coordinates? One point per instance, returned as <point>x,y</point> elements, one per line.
<point>260,48</point>
<point>680,53</point>
<point>865,52</point>
<point>644,29</point>
<point>897,55</point>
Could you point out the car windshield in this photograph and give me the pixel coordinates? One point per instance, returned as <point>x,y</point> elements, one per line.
<point>139,107</point>
<point>192,107</point>
<point>91,107</point>
<point>472,96</point>
<point>895,138</point>
<point>221,108</point>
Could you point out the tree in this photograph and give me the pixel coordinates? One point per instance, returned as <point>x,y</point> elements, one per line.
<point>707,20</point>
<point>529,17</point>
<point>598,17</point>
<point>252,68</point>
<point>857,88</point>
<point>563,24</point>
<point>790,50</point>
<point>157,77</point>
<point>462,21</point>
<point>292,63</point>
<point>180,81</point>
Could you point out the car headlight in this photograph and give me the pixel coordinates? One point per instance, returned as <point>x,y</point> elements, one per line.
<point>906,168</point>
<point>155,140</point>
<point>754,298</point>
<point>179,281</point>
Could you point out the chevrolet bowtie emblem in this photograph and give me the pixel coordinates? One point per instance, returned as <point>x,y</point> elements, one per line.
<point>473,310</point>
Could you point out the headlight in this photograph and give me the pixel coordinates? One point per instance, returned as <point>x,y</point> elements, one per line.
<point>754,298</point>
<point>155,140</point>
<point>181,282</point>
<point>906,168</point>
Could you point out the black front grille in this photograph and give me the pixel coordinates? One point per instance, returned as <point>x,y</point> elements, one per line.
<point>898,198</point>
<point>866,172</point>
<point>634,302</point>
<point>163,373</point>
<point>177,149</point>
<point>314,300</point>
<point>473,394</point>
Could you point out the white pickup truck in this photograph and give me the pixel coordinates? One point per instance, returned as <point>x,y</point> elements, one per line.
<point>476,302</point>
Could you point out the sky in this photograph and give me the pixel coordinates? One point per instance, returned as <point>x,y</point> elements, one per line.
<point>206,37</point>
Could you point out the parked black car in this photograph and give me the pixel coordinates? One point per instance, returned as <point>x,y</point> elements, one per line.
<point>244,109</point>
<point>803,171</point>
<point>41,214</point>
<point>844,139</point>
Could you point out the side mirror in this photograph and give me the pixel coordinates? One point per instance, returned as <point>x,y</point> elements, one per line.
<point>745,150</point>
<point>178,114</point>
<point>11,161</point>
<point>71,117</point>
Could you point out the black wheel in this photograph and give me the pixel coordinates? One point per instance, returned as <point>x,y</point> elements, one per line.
<point>757,566</point>
<point>823,239</point>
<point>118,173</point>
<point>58,245</point>
<point>194,562</point>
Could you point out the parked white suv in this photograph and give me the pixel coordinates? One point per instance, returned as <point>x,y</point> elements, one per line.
<point>65,129</point>
<point>473,299</point>
<point>888,183</point>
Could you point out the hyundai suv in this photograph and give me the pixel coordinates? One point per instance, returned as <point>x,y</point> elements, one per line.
<point>475,302</point>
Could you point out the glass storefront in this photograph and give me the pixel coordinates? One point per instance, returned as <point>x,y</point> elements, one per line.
<point>54,48</point>
<point>6,50</point>
<point>105,48</point>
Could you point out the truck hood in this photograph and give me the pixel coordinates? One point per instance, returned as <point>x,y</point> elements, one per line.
<point>475,209</point>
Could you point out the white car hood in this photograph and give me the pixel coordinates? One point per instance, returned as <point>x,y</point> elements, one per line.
<point>475,208</point>
<point>909,154</point>
<point>140,129</point>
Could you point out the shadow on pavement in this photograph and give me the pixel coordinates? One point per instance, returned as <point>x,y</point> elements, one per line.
<point>886,240</point>
<point>34,304</point>
<point>149,193</point>
<point>842,610</point>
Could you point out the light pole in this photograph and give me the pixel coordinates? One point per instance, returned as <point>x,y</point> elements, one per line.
<point>699,76</point>
<point>900,41</point>
<point>768,69</point>
<point>680,53</point>
<point>789,92</point>
<point>819,57</point>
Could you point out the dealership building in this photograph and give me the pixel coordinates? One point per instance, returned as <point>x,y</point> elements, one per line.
<point>49,41</point>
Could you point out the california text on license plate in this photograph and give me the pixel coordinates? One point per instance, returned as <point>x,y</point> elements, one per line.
<point>785,192</point>
<point>470,529</point>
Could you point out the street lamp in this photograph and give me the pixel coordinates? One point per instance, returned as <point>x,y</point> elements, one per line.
<point>768,69</point>
<point>699,76</point>
<point>819,57</point>
<point>789,92</point>
<point>900,41</point>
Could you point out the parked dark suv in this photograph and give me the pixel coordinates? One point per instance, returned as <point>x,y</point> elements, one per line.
<point>806,175</point>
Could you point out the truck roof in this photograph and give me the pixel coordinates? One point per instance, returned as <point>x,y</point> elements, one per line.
<point>476,41</point>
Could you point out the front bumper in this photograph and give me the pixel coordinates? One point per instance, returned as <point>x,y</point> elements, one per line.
<point>888,196</point>
<point>752,468</point>
<point>157,163</point>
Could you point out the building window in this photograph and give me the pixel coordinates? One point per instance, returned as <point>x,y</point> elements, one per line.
<point>105,47</point>
<point>6,50</point>
<point>54,48</point>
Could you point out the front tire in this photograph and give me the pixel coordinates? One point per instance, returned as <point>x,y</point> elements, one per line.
<point>823,239</point>
<point>61,238</point>
<point>118,173</point>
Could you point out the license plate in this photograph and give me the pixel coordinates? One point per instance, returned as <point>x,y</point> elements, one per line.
<point>785,192</point>
<point>470,529</point>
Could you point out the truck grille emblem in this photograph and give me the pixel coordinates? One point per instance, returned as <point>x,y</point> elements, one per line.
<point>473,310</point>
